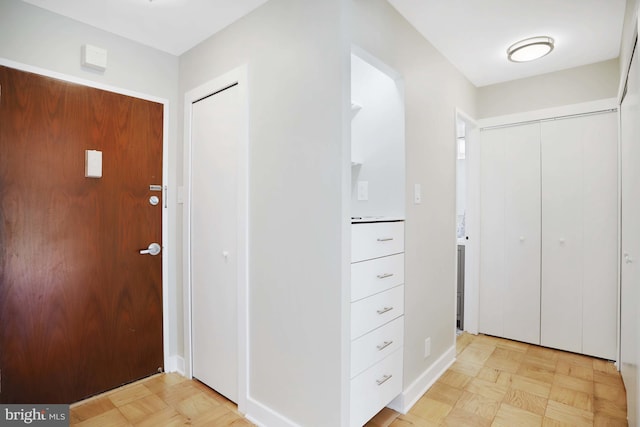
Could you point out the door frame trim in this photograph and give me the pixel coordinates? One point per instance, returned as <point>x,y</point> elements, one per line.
<point>237,76</point>
<point>166,329</point>
<point>472,219</point>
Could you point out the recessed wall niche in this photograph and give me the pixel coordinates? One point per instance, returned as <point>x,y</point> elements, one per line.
<point>377,139</point>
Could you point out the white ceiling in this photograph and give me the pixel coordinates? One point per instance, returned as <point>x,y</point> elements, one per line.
<point>474,34</point>
<point>173,26</point>
<point>471,34</point>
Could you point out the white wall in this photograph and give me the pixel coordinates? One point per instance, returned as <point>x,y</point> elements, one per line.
<point>566,87</point>
<point>36,37</point>
<point>628,31</point>
<point>298,83</point>
<point>377,140</point>
<point>433,89</point>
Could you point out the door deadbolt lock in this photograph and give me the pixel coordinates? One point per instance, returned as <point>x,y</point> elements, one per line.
<point>154,200</point>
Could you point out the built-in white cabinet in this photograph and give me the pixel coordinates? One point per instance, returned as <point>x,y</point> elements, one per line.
<point>377,317</point>
<point>549,233</point>
<point>510,233</point>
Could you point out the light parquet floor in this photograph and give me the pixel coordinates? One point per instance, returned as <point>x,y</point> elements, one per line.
<point>494,382</point>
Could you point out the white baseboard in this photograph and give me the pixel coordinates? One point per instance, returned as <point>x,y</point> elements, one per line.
<point>415,390</point>
<point>175,364</point>
<point>263,416</point>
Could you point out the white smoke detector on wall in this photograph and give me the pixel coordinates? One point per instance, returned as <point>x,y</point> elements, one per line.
<point>94,57</point>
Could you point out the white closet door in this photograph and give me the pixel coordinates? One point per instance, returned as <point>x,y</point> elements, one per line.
<point>492,219</point>
<point>579,187</point>
<point>600,221</point>
<point>214,247</point>
<point>630,243</point>
<point>510,233</point>
<point>562,258</point>
<point>522,234</point>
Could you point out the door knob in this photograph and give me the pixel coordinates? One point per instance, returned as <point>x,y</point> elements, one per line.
<point>628,259</point>
<point>153,249</point>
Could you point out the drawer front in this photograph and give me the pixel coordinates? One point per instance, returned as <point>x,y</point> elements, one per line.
<point>373,389</point>
<point>376,275</point>
<point>376,239</point>
<point>376,310</point>
<point>371,348</point>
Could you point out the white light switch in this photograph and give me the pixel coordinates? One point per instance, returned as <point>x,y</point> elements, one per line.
<point>93,164</point>
<point>417,194</point>
<point>180,195</point>
<point>363,190</point>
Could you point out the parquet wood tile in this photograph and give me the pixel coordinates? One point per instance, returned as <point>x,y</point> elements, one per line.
<point>510,416</point>
<point>570,397</point>
<point>444,393</point>
<point>569,414</point>
<point>410,420</point>
<point>487,389</point>
<point>479,405</point>
<point>494,382</point>
<point>573,383</point>
<point>531,385</point>
<point>431,410</point>
<point>578,371</point>
<point>526,401</point>
<point>467,368</point>
<point>461,418</point>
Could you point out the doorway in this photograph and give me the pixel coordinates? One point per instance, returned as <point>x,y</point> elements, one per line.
<point>81,308</point>
<point>467,222</point>
<point>216,153</point>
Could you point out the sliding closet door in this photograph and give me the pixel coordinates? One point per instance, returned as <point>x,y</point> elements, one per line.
<point>510,233</point>
<point>579,234</point>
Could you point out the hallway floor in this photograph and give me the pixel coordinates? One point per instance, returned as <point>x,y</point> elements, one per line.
<point>494,382</point>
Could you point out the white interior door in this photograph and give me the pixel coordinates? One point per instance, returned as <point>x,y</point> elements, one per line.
<point>215,133</point>
<point>630,241</point>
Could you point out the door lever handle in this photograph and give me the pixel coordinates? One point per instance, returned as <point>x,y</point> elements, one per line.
<point>153,249</point>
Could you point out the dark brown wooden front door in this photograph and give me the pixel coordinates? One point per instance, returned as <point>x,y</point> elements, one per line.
<point>80,308</point>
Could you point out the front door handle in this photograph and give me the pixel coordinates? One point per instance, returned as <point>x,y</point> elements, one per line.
<point>153,249</point>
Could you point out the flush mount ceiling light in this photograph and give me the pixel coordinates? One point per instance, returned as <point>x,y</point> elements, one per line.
<point>530,49</point>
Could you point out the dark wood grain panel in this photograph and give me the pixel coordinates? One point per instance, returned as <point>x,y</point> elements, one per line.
<point>80,309</point>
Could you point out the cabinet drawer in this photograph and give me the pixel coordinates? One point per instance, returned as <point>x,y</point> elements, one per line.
<point>373,389</point>
<point>371,348</point>
<point>376,239</point>
<point>376,275</point>
<point>376,310</point>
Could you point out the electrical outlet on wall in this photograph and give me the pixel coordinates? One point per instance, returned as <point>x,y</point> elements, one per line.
<point>427,347</point>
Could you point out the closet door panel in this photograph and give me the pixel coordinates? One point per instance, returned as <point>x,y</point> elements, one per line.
<point>510,233</point>
<point>600,212</point>
<point>521,307</point>
<point>630,244</point>
<point>492,250</point>
<point>562,243</point>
